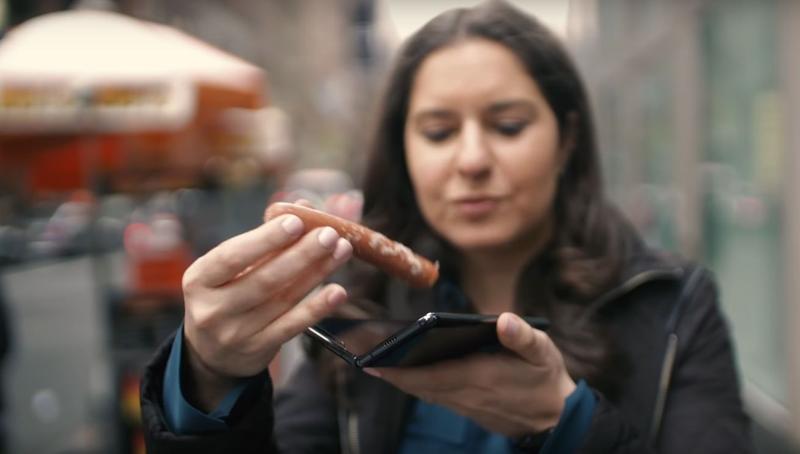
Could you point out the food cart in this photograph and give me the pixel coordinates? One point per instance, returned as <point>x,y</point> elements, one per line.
<point>98,103</point>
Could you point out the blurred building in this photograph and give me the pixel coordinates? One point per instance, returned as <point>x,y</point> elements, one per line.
<point>407,16</point>
<point>696,102</point>
<point>319,57</point>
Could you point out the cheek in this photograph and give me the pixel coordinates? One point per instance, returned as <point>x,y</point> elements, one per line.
<point>415,173</point>
<point>538,178</point>
<point>537,198</point>
<point>426,171</point>
<point>535,184</point>
<point>427,176</point>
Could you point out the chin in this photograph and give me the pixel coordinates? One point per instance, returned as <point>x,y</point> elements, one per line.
<point>479,240</point>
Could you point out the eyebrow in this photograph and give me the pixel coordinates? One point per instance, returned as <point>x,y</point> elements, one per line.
<point>494,108</point>
<point>500,106</point>
<point>433,114</point>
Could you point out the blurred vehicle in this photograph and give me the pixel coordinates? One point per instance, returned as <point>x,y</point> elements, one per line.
<point>13,245</point>
<point>67,231</point>
<point>157,255</point>
<point>328,190</point>
<point>78,225</point>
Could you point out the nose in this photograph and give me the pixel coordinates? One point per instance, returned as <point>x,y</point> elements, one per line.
<point>474,159</point>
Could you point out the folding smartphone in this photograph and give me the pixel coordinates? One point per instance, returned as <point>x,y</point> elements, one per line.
<point>434,337</point>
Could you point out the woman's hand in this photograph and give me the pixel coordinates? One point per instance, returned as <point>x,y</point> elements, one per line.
<point>513,394</point>
<point>250,294</point>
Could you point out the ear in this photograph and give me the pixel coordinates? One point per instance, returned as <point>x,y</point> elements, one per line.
<point>568,139</point>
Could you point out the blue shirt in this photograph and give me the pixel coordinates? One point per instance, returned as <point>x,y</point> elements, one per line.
<point>433,429</point>
<point>430,429</point>
<point>436,430</point>
<point>183,417</point>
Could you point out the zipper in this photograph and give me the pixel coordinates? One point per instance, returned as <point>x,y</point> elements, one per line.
<point>352,432</point>
<point>347,417</point>
<point>631,284</point>
<point>348,431</point>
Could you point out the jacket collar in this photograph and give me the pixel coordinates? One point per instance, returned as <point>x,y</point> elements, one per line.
<point>643,265</point>
<point>634,279</point>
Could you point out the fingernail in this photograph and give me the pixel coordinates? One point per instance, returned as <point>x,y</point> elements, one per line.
<point>293,225</point>
<point>336,297</point>
<point>511,327</point>
<point>372,372</point>
<point>343,249</point>
<point>327,237</point>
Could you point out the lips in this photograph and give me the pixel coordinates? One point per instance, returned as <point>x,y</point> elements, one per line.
<point>476,207</point>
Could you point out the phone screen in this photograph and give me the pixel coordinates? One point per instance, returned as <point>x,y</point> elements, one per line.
<point>434,337</point>
<point>439,343</point>
<point>434,343</point>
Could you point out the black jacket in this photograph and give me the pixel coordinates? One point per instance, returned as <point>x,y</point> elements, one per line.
<point>702,409</point>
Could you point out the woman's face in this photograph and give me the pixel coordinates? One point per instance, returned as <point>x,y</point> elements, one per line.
<point>482,147</point>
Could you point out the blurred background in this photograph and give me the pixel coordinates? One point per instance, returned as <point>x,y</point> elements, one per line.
<point>137,134</point>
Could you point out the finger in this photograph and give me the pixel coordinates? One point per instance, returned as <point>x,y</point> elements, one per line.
<point>430,383</point>
<point>264,314</point>
<point>302,259</point>
<point>300,287</point>
<point>302,202</point>
<point>526,341</point>
<point>440,376</point>
<point>235,255</point>
<point>308,312</point>
<point>408,380</point>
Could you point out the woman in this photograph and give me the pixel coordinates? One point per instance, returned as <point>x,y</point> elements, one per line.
<point>484,159</point>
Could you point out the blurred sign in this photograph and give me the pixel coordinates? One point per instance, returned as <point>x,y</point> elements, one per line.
<point>108,108</point>
<point>95,71</point>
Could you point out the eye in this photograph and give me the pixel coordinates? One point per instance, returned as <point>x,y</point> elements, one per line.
<point>510,128</point>
<point>438,135</point>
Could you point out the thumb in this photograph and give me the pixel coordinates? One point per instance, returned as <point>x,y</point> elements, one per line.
<point>526,341</point>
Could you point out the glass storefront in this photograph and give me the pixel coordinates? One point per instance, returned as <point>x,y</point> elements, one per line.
<point>742,231</point>
<point>735,176</point>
